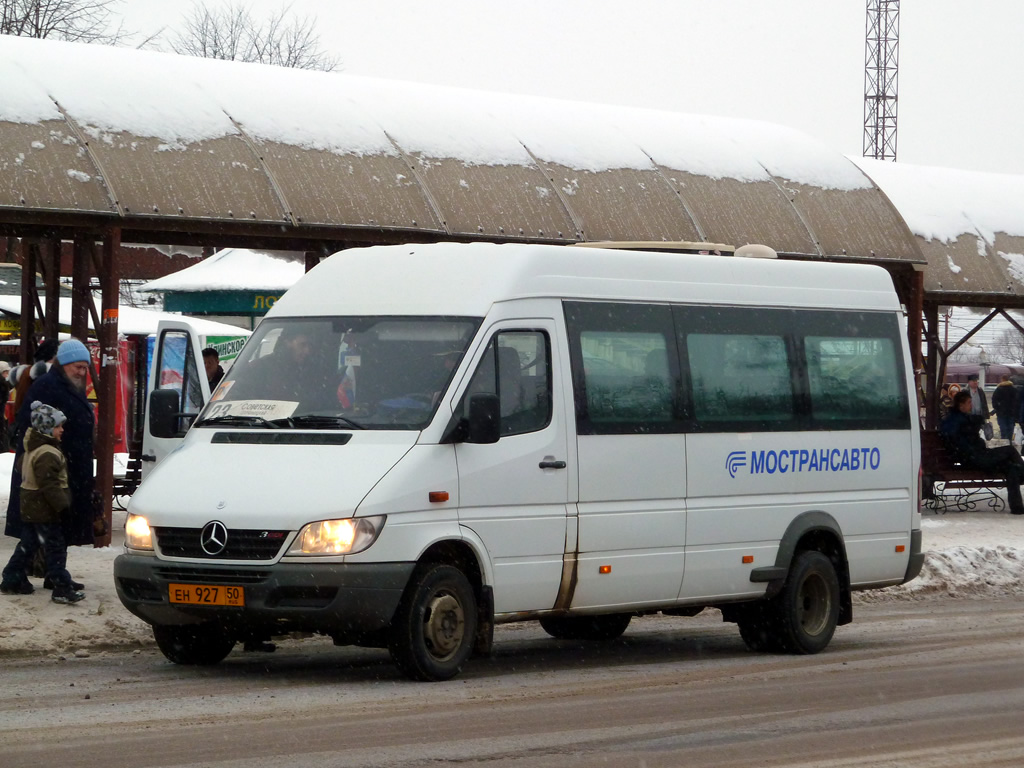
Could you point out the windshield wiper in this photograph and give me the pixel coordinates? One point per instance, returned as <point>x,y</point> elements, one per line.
<point>241,421</point>
<point>317,421</point>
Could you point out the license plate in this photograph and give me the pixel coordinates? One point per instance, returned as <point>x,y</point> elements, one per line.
<point>201,594</point>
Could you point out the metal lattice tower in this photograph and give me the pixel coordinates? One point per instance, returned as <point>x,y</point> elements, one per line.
<point>881,65</point>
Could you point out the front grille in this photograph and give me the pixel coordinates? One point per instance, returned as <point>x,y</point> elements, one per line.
<point>204,576</point>
<point>242,544</point>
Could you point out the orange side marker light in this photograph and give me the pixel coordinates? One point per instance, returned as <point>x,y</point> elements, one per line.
<point>901,548</point>
<point>437,496</point>
<point>604,569</point>
<point>748,558</point>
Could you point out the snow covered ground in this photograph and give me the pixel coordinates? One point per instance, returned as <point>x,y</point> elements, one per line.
<point>969,555</point>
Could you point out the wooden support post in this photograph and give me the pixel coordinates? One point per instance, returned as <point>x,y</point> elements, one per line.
<point>81,299</point>
<point>106,388</point>
<point>932,382</point>
<point>915,319</point>
<point>50,261</point>
<point>29,252</point>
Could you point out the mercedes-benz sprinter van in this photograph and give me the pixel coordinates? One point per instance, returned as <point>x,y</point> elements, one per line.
<point>419,442</point>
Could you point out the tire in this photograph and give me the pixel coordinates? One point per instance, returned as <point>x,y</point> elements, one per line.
<point>193,644</point>
<point>607,627</point>
<point>807,609</point>
<point>434,628</point>
<point>759,631</point>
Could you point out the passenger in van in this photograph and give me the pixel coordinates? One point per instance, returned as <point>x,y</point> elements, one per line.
<point>284,374</point>
<point>960,432</point>
<point>449,361</point>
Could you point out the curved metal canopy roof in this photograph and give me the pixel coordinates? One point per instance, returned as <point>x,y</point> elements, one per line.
<point>969,226</point>
<point>179,150</point>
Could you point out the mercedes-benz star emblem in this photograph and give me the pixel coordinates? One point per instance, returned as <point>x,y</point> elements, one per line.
<point>214,538</point>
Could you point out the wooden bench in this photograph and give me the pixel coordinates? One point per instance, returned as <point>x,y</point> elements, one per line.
<point>946,484</point>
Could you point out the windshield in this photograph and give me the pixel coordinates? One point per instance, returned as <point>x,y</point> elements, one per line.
<point>341,372</point>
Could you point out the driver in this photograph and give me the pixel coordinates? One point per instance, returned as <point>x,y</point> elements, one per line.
<point>285,373</point>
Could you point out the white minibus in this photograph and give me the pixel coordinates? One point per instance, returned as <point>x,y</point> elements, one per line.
<point>419,442</point>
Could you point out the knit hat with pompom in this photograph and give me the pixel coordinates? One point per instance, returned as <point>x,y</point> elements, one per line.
<point>46,418</point>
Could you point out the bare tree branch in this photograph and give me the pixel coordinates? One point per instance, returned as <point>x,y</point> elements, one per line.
<point>1010,346</point>
<point>83,21</point>
<point>230,32</point>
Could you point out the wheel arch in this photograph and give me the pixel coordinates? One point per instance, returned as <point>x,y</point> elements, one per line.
<point>464,556</point>
<point>459,554</point>
<point>818,531</point>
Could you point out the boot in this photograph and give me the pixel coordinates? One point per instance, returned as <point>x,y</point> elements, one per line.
<point>66,595</point>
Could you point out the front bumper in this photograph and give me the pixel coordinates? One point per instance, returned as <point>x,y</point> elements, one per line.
<point>346,601</point>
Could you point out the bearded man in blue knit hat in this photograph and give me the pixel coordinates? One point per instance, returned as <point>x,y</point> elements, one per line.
<point>63,387</point>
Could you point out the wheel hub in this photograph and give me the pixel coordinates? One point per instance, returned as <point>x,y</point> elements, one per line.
<point>445,625</point>
<point>814,605</point>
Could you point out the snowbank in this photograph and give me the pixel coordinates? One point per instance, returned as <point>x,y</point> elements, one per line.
<point>973,554</point>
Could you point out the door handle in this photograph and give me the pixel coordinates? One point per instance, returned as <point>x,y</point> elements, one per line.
<point>147,457</point>
<point>550,463</point>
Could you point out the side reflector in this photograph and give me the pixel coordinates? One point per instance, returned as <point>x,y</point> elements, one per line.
<point>748,558</point>
<point>901,548</point>
<point>604,569</point>
<point>438,496</point>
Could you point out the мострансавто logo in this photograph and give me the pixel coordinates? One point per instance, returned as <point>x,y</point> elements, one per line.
<point>803,460</point>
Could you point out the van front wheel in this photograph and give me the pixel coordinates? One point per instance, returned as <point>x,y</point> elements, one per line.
<point>434,627</point>
<point>193,644</point>
<point>808,606</point>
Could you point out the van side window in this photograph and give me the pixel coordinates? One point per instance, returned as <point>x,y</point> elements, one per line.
<point>740,378</point>
<point>855,371</point>
<point>763,369</point>
<point>520,374</point>
<point>625,367</point>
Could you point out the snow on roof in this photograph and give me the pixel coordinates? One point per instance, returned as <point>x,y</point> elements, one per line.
<point>943,203</point>
<point>233,269</point>
<point>133,321</point>
<point>180,100</point>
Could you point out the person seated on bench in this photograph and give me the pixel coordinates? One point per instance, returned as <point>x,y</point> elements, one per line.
<point>960,432</point>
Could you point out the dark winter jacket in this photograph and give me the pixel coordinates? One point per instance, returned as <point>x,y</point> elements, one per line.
<point>44,480</point>
<point>215,379</point>
<point>984,401</point>
<point>5,393</point>
<point>960,433</point>
<point>1004,400</point>
<point>54,388</point>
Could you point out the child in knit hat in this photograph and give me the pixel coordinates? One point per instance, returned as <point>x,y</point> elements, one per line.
<point>45,500</point>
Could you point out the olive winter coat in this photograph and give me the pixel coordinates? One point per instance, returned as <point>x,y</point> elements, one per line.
<point>44,480</point>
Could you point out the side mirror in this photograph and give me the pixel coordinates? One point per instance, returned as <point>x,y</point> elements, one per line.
<point>484,418</point>
<point>164,405</point>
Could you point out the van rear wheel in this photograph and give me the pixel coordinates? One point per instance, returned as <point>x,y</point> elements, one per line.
<point>606,627</point>
<point>808,606</point>
<point>193,644</point>
<point>434,628</point>
<point>758,629</point>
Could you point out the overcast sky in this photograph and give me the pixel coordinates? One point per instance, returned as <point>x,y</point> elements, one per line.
<point>794,62</point>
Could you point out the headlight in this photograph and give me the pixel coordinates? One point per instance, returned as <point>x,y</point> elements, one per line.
<point>137,534</point>
<point>337,537</point>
